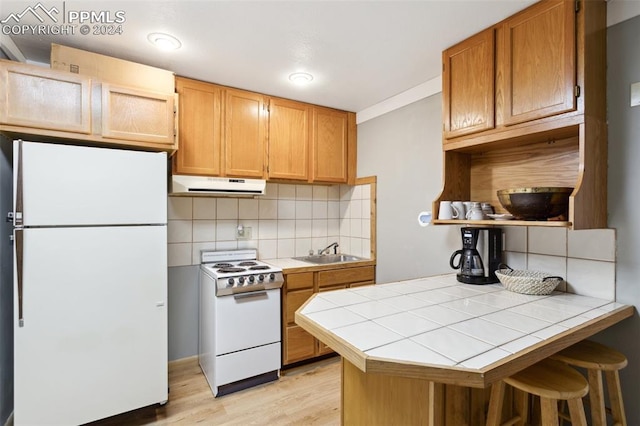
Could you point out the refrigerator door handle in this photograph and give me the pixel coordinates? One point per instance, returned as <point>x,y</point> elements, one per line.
<point>19,244</point>
<point>17,217</point>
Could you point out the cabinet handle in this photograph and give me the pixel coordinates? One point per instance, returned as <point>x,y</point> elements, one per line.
<point>19,244</point>
<point>19,206</point>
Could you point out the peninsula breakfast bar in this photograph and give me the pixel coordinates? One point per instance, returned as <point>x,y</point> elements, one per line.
<point>425,351</point>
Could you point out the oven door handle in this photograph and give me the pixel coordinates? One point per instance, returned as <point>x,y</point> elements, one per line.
<point>250,295</point>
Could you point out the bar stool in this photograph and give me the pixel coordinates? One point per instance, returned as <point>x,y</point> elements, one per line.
<point>550,380</point>
<point>596,358</point>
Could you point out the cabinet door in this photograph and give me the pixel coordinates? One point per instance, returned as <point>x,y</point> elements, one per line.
<point>244,138</point>
<point>36,97</point>
<point>298,345</point>
<point>330,145</point>
<point>294,300</point>
<point>137,115</point>
<point>200,128</point>
<point>540,56</point>
<point>289,126</point>
<point>468,85</point>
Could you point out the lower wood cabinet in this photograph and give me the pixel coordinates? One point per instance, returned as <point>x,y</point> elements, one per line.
<point>298,345</point>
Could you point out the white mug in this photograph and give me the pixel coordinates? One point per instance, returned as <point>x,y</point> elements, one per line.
<point>459,206</point>
<point>447,211</point>
<point>475,213</point>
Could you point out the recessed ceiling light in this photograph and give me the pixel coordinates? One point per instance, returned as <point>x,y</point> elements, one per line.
<point>164,41</point>
<point>300,78</point>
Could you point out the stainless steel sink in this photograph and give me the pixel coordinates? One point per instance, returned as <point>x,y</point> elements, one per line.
<point>322,259</point>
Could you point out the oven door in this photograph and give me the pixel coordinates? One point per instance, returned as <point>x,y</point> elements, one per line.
<point>247,320</point>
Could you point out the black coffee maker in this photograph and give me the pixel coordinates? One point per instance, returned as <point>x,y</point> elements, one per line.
<point>472,269</point>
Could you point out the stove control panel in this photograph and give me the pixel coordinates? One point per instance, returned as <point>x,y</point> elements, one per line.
<point>246,283</point>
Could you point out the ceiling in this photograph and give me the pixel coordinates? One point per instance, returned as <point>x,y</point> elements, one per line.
<point>360,52</point>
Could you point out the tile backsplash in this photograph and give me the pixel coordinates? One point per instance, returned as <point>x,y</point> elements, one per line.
<point>289,220</point>
<point>586,259</point>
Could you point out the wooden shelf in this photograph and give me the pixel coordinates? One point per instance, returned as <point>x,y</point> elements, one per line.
<point>491,222</point>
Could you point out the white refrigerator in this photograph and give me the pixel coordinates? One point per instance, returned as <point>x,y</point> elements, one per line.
<point>90,282</point>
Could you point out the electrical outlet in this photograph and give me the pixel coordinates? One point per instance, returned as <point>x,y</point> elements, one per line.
<point>243,232</point>
<point>635,94</point>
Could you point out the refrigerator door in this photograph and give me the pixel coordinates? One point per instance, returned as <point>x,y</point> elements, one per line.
<point>58,185</point>
<point>94,339</point>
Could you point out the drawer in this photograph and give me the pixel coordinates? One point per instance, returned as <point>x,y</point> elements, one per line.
<point>298,281</point>
<point>346,276</point>
<point>362,284</point>
<point>335,287</point>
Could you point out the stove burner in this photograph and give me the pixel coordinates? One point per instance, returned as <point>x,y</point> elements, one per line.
<point>222,265</point>
<point>229,270</point>
<point>259,268</point>
<point>248,263</point>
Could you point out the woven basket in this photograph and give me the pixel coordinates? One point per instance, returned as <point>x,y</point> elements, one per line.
<point>527,282</point>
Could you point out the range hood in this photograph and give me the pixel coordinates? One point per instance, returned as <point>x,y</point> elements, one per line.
<point>216,186</point>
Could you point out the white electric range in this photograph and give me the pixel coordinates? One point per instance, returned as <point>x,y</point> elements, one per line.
<point>240,331</point>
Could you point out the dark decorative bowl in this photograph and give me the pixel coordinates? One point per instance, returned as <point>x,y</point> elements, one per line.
<point>537,203</point>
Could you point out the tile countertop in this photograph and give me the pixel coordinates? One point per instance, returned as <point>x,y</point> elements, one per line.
<point>295,265</point>
<point>445,331</point>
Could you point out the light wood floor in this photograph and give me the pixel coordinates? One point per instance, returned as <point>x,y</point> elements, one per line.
<point>307,395</point>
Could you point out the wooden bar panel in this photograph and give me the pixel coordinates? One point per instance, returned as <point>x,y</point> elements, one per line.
<point>378,399</point>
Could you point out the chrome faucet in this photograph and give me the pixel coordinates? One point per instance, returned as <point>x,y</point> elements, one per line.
<point>335,248</point>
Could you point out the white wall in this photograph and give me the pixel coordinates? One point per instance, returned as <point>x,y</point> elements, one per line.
<point>403,149</point>
<point>623,68</point>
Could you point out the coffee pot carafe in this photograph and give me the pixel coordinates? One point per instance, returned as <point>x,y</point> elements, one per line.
<point>472,269</point>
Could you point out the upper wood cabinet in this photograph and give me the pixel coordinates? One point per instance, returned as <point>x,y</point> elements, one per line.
<point>518,71</point>
<point>330,146</point>
<point>199,128</point>
<point>39,98</point>
<point>62,105</point>
<point>540,62</point>
<point>137,115</point>
<point>468,77</point>
<point>236,133</point>
<point>289,139</point>
<point>244,134</point>
<point>222,131</point>
<point>549,111</point>
<point>311,143</point>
